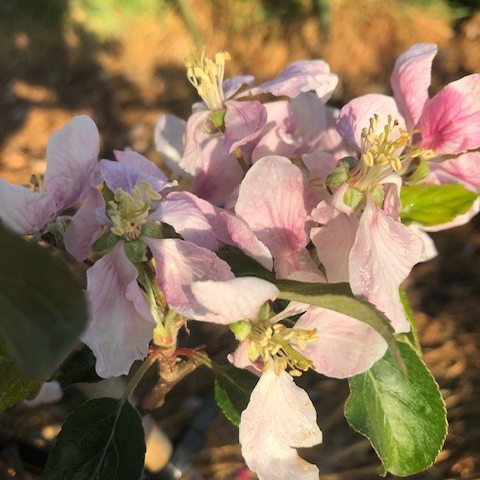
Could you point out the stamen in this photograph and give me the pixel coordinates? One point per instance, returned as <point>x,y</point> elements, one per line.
<point>206,75</point>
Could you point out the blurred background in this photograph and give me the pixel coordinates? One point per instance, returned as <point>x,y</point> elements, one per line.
<point>121,62</point>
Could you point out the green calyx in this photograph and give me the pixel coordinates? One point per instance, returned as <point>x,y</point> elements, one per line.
<point>217,117</point>
<point>353,197</point>
<point>135,251</point>
<point>105,242</point>
<point>152,230</point>
<point>241,329</point>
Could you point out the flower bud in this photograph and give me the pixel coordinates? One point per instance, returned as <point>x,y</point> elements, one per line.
<point>136,251</point>
<point>337,177</point>
<point>353,197</point>
<point>105,242</point>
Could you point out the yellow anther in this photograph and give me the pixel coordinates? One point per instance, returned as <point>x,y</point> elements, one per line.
<point>206,75</point>
<point>129,211</point>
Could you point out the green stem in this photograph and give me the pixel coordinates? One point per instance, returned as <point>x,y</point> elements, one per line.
<point>132,385</point>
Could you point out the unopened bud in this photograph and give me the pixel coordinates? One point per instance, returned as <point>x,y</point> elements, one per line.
<point>348,162</point>
<point>353,197</point>
<point>105,242</point>
<point>337,177</point>
<point>136,251</point>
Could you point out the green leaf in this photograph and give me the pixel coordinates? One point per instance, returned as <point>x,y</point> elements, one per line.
<point>78,367</point>
<point>339,298</point>
<point>102,439</point>
<point>412,336</point>
<point>233,387</point>
<point>403,416</point>
<point>14,386</point>
<point>42,308</point>
<point>434,204</point>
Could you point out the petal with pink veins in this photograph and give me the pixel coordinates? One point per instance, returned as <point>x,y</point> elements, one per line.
<point>84,227</point>
<point>356,114</point>
<point>410,80</point>
<point>130,169</point>
<point>382,256</point>
<point>271,201</point>
<point>298,77</point>
<point>72,161</point>
<point>232,300</point>
<point>121,325</point>
<point>429,249</point>
<point>279,418</point>
<point>180,263</point>
<point>304,270</point>
<point>23,211</point>
<point>232,230</point>
<point>450,122</point>
<point>179,211</point>
<point>464,169</point>
<point>244,122</point>
<point>344,347</point>
<point>169,132</point>
<point>195,136</point>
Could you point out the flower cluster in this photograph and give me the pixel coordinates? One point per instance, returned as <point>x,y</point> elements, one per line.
<point>309,192</point>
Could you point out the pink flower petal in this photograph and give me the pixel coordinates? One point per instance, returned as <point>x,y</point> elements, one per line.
<point>244,122</point>
<point>450,122</point>
<point>382,256</point>
<point>271,201</point>
<point>130,169</point>
<point>169,132</point>
<point>356,114</point>
<point>218,174</point>
<point>334,241</point>
<point>179,211</point>
<point>232,300</point>
<point>345,346</point>
<point>429,249</point>
<point>233,231</point>
<point>23,211</point>
<point>84,226</point>
<point>180,263</point>
<point>464,169</point>
<point>298,77</point>
<point>72,161</point>
<point>330,140</point>
<point>305,269</point>
<point>233,84</point>
<point>279,418</point>
<point>194,137</point>
<point>410,80</point>
<point>121,325</point>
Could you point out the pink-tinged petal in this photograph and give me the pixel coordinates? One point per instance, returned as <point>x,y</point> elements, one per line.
<point>450,122</point>
<point>233,84</point>
<point>304,269</point>
<point>273,143</point>
<point>410,80</point>
<point>298,77</point>
<point>232,300</point>
<point>429,249</point>
<point>319,164</point>
<point>382,256</point>
<point>72,160</point>
<point>179,211</point>
<point>279,418</point>
<point>392,203</point>
<point>240,359</point>
<point>244,122</point>
<point>130,169</point>
<point>84,226</point>
<point>271,201</point>
<point>180,263</point>
<point>218,173</point>
<point>334,241</point>
<point>121,325</point>
<point>195,136</point>
<point>458,220</point>
<point>464,169</point>
<point>23,211</point>
<point>50,392</point>
<point>330,140</point>
<point>356,114</point>
<point>345,346</point>
<point>169,132</point>
<point>292,309</point>
<point>233,231</point>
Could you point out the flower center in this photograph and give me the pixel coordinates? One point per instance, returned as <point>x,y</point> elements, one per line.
<point>281,346</point>
<point>129,211</point>
<point>206,75</point>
